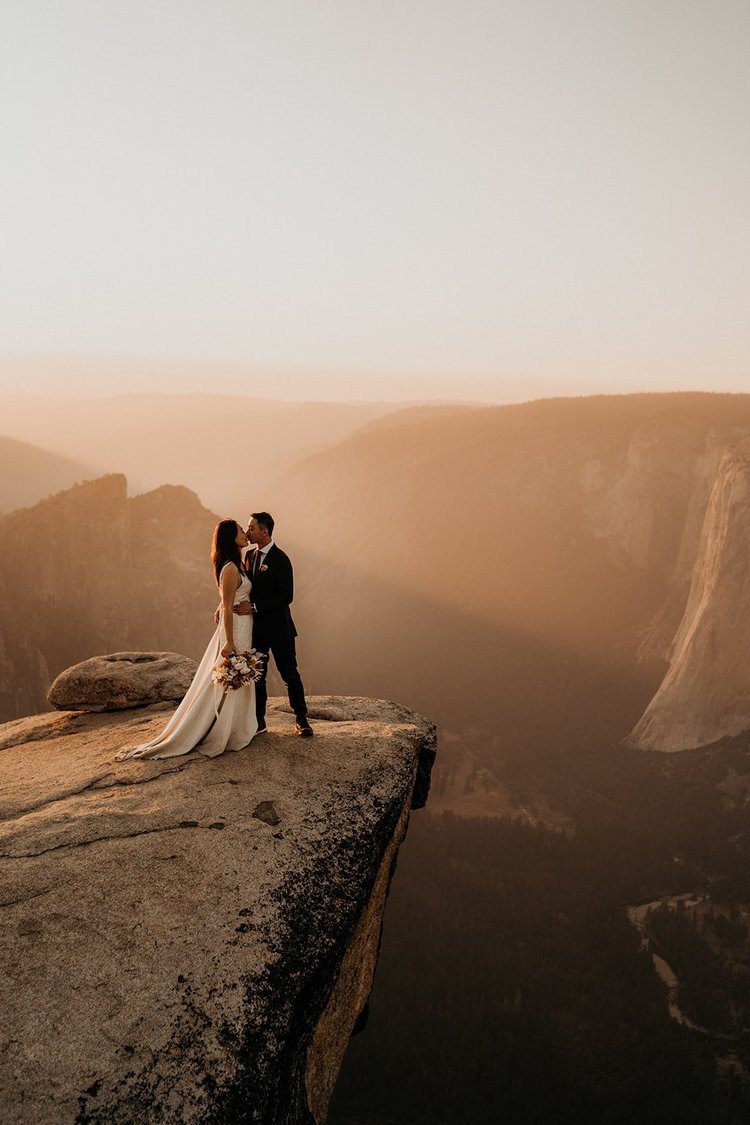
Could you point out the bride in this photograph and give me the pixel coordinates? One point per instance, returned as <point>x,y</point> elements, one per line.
<point>210,719</point>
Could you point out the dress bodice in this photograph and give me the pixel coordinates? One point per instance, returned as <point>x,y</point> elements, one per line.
<point>242,624</point>
<point>243,590</point>
<point>242,593</point>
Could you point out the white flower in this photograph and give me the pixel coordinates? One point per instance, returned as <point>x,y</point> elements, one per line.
<point>235,671</point>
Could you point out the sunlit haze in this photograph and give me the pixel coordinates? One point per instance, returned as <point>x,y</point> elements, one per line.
<point>458,291</point>
<point>487,201</point>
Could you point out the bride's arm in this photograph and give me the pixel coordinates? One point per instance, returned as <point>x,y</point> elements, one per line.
<point>230,580</point>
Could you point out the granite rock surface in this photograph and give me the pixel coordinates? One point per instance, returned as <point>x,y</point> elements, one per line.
<point>122,680</point>
<point>193,940</point>
<point>705,695</point>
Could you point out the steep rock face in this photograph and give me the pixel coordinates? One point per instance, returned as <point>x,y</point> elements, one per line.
<point>193,940</point>
<point>643,502</point>
<point>706,692</point>
<point>24,674</point>
<point>700,471</point>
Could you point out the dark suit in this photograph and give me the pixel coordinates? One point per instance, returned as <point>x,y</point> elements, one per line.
<point>273,627</point>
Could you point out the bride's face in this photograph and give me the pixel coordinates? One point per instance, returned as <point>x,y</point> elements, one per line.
<point>241,538</point>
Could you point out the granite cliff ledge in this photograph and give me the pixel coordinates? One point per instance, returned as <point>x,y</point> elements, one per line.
<point>193,940</point>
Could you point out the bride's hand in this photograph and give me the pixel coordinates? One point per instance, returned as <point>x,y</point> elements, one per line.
<point>228,650</point>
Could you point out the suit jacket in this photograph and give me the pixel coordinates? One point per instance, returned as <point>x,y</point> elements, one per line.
<point>272,594</point>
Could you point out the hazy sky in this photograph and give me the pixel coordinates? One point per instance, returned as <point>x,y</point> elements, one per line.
<point>546,190</point>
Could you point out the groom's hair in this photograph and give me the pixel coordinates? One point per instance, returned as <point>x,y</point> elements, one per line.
<point>264,519</point>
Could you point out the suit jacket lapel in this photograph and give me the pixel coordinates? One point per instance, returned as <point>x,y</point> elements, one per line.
<point>260,560</point>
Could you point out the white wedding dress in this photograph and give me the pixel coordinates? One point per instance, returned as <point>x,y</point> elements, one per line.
<point>202,721</point>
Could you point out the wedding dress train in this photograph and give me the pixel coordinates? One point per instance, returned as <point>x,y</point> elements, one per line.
<point>207,719</point>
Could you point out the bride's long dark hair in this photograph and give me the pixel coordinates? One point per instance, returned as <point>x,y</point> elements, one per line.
<point>223,547</point>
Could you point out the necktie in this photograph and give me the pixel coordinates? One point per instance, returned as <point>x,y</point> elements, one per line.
<point>256,563</point>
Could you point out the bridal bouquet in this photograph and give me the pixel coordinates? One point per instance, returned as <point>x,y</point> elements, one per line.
<point>238,670</point>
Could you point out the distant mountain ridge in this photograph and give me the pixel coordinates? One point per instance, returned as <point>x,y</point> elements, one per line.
<point>29,473</point>
<point>227,449</point>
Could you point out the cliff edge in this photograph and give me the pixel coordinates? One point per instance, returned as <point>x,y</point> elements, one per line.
<point>193,940</point>
<point>705,694</point>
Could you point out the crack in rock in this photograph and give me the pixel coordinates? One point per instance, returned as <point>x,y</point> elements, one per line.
<point>64,796</point>
<point>27,898</point>
<point>97,785</point>
<point>185,824</point>
<point>42,732</point>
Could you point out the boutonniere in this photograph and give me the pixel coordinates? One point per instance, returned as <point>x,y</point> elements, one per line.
<point>262,567</point>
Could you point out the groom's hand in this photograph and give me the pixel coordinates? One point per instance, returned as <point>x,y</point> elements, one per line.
<point>243,608</point>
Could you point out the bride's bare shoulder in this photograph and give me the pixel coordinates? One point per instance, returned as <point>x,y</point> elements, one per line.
<point>230,576</point>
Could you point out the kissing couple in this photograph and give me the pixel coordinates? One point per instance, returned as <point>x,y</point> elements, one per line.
<point>225,706</point>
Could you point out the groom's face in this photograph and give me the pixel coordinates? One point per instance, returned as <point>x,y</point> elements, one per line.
<point>254,532</point>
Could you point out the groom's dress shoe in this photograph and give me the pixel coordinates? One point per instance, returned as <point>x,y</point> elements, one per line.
<point>262,728</point>
<point>304,730</point>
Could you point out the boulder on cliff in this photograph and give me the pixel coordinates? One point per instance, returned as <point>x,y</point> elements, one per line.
<point>193,939</point>
<point>705,694</point>
<point>122,680</point>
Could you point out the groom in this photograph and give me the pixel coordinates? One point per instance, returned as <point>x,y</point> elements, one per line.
<point>270,572</point>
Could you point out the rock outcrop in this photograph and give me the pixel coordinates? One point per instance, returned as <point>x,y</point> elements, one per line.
<point>193,940</point>
<point>120,573</point>
<point>705,694</point>
<point>122,680</point>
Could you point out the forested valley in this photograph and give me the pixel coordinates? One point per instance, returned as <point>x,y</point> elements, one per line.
<point>512,986</point>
